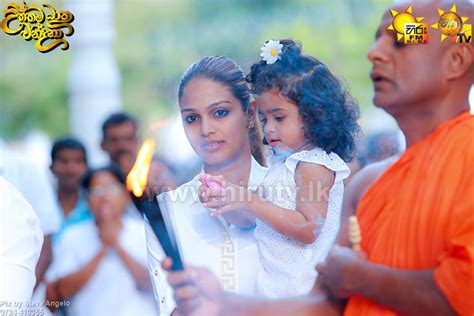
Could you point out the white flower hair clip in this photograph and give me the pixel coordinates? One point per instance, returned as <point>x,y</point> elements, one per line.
<point>271,51</point>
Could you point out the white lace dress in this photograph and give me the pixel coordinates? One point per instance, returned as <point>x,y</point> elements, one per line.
<point>288,266</point>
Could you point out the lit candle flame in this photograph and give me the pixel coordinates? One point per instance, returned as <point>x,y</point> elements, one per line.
<point>138,176</point>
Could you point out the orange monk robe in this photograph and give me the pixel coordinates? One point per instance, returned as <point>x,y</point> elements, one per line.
<point>419,215</point>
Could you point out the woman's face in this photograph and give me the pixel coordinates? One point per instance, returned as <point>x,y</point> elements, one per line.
<point>214,122</point>
<point>107,197</point>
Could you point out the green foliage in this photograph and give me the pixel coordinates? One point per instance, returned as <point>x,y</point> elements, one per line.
<point>157,40</point>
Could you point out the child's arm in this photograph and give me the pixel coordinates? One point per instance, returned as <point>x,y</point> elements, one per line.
<point>313,184</point>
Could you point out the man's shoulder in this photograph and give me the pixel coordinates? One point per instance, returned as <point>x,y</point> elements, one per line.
<point>468,122</point>
<point>464,130</point>
<point>366,177</point>
<point>16,211</point>
<point>11,197</point>
<point>372,171</point>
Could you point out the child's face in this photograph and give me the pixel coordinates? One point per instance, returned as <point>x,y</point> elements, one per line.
<point>281,121</point>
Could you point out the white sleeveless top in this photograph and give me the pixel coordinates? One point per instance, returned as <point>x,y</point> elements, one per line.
<point>288,266</point>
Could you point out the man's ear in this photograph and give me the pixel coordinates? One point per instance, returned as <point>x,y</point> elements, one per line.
<point>460,59</point>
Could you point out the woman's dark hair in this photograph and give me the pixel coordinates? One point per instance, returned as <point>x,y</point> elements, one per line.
<point>328,111</point>
<point>225,71</point>
<point>111,169</point>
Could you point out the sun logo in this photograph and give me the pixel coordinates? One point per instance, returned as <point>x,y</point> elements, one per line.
<point>452,25</point>
<point>401,19</point>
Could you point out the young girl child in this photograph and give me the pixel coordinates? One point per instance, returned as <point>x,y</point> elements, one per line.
<point>310,122</point>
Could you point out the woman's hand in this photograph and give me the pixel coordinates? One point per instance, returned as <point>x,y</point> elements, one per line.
<point>109,229</point>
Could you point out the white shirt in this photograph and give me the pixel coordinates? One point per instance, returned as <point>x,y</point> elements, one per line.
<point>33,184</point>
<point>231,253</point>
<point>21,240</point>
<point>112,289</point>
<point>288,266</point>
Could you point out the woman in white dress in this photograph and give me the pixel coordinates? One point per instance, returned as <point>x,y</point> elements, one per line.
<point>220,124</point>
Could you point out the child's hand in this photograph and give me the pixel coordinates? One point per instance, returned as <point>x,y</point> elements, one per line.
<point>224,196</point>
<point>211,182</point>
<point>207,186</point>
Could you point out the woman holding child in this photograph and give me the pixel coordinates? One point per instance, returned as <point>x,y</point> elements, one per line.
<point>309,121</point>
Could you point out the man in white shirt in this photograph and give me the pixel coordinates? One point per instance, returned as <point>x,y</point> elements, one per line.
<point>231,253</point>
<point>69,164</point>
<point>34,186</point>
<point>20,245</point>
